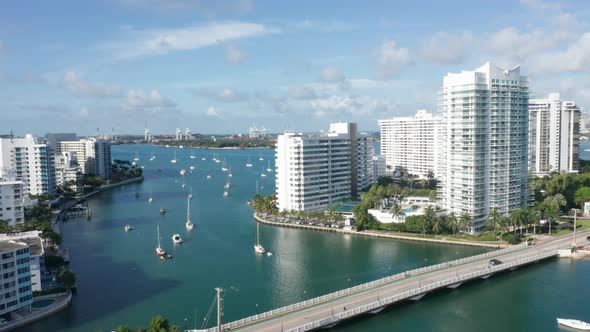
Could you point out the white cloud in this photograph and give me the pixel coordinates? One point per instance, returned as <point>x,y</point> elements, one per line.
<point>447,48</point>
<point>575,58</point>
<point>163,41</point>
<point>303,92</point>
<point>390,60</point>
<point>225,95</point>
<point>202,7</point>
<point>359,107</point>
<point>331,74</point>
<point>138,100</point>
<point>74,83</point>
<point>234,55</point>
<point>214,112</point>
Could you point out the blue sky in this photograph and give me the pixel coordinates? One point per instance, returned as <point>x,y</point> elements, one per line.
<point>222,66</point>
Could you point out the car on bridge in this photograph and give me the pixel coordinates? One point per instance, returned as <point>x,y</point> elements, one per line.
<point>495,262</point>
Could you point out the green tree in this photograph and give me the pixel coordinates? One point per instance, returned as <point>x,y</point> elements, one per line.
<point>429,218</point>
<point>122,328</point>
<point>452,222</point>
<point>464,221</point>
<point>437,225</point>
<point>582,195</point>
<point>66,278</point>
<point>553,204</point>
<point>397,211</point>
<point>494,222</point>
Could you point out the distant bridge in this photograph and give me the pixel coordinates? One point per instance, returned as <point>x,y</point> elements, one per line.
<point>372,297</point>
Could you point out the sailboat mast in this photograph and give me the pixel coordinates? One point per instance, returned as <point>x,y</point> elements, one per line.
<point>188,209</point>
<point>257,234</point>
<point>158,229</point>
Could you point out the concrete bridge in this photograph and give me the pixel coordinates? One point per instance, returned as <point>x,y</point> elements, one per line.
<point>372,297</point>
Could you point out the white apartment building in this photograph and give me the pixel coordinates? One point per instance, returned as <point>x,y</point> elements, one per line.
<point>84,150</point>
<point>40,277</point>
<point>94,156</point>
<point>379,167</point>
<point>15,276</point>
<point>554,135</point>
<point>409,142</point>
<point>67,168</point>
<point>483,160</point>
<point>12,202</point>
<point>29,161</point>
<point>317,169</point>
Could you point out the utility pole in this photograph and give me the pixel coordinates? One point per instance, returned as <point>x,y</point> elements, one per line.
<point>219,308</point>
<point>575,220</point>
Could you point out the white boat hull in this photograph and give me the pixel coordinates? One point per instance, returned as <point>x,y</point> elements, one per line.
<point>259,249</point>
<point>574,323</point>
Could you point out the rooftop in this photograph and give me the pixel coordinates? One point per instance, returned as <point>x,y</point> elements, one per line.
<point>11,245</point>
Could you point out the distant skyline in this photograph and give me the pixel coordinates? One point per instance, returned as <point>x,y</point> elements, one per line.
<point>223,66</point>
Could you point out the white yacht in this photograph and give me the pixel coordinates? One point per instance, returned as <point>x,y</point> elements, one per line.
<point>574,323</point>
<point>192,168</point>
<point>182,172</point>
<point>249,163</point>
<point>189,225</point>
<point>128,228</point>
<point>257,247</point>
<point>193,157</point>
<point>159,251</point>
<point>176,239</point>
<point>208,177</point>
<point>203,158</point>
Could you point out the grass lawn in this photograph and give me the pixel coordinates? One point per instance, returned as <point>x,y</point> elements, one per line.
<point>582,224</point>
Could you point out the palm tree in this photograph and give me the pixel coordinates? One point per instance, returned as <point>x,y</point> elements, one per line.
<point>396,211</point>
<point>437,225</point>
<point>464,221</point>
<point>553,204</point>
<point>494,222</point>
<point>452,222</point>
<point>429,218</point>
<point>518,219</point>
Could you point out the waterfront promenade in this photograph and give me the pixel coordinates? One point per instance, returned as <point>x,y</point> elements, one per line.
<point>330,309</point>
<point>380,234</point>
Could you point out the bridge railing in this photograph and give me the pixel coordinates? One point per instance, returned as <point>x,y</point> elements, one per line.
<point>365,286</point>
<point>419,290</point>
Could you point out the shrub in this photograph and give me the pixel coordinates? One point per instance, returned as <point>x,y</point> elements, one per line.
<point>510,238</point>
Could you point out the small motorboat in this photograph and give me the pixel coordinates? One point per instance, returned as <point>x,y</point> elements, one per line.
<point>269,254</point>
<point>208,177</point>
<point>225,194</point>
<point>182,172</point>
<point>176,239</point>
<point>193,157</point>
<point>263,175</point>
<point>574,323</point>
<point>192,168</point>
<point>128,228</point>
<point>203,158</point>
<point>162,211</point>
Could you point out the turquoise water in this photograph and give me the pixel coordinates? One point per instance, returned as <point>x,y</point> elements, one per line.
<point>42,303</point>
<point>409,210</point>
<point>120,280</point>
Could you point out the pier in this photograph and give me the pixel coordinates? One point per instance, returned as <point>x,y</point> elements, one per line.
<point>372,297</point>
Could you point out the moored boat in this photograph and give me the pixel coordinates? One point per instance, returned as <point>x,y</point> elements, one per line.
<point>574,323</point>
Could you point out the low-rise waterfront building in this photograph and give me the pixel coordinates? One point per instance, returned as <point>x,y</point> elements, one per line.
<point>40,277</point>
<point>554,135</point>
<point>15,276</point>
<point>315,170</point>
<point>67,169</point>
<point>12,202</point>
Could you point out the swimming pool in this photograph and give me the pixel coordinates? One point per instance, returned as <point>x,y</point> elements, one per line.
<point>42,303</point>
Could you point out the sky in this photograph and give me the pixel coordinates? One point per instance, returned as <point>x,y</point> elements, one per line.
<point>224,66</point>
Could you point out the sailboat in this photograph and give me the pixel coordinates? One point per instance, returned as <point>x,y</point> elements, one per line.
<point>260,158</point>
<point>257,247</point>
<point>263,174</point>
<point>136,157</point>
<point>249,164</point>
<point>225,193</point>
<point>268,169</point>
<point>174,160</point>
<point>227,185</point>
<point>190,194</point>
<point>230,174</point>
<point>151,199</point>
<point>153,157</point>
<point>159,251</point>
<point>189,225</point>
<point>224,167</point>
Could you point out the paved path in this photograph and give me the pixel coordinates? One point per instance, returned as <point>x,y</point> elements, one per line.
<point>328,311</point>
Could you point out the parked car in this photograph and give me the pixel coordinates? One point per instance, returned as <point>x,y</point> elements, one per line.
<point>495,262</point>
<point>3,321</point>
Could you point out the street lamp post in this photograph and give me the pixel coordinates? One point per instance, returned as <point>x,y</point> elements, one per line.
<point>575,225</point>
